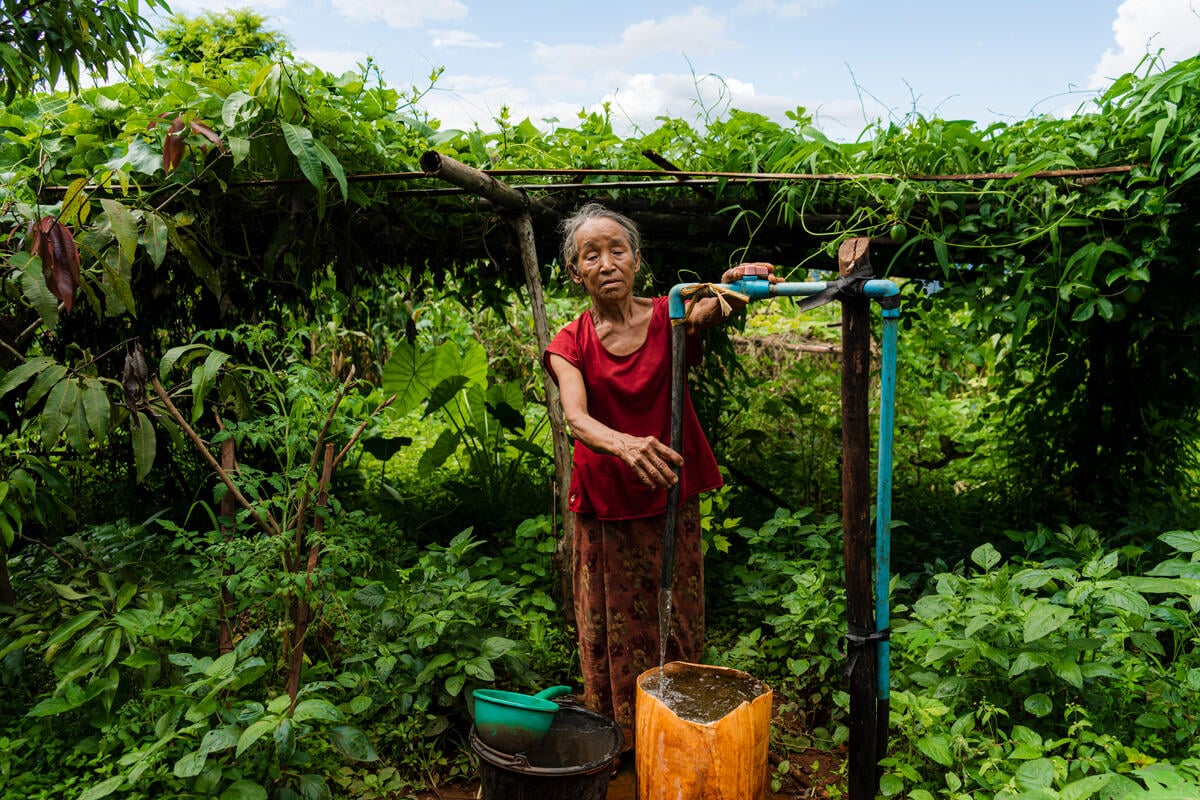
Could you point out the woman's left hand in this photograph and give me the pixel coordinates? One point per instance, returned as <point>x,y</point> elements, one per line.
<point>753,267</point>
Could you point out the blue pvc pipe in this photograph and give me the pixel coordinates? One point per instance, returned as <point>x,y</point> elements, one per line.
<point>758,289</point>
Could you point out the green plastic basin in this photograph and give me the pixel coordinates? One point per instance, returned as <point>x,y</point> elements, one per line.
<point>513,722</point>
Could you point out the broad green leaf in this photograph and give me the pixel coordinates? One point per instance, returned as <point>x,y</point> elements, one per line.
<point>244,790</point>
<point>285,739</point>
<point>223,667</point>
<point>237,106</point>
<point>190,765</point>
<point>1038,773</point>
<point>178,353</point>
<point>314,787</point>
<point>986,556</point>
<point>124,228</point>
<point>300,142</point>
<point>155,238</point>
<point>318,709</point>
<point>438,453</point>
<point>1044,618</point>
<point>218,739</point>
<point>444,392</point>
<point>334,166</point>
<point>46,380</point>
<point>34,288</point>
<point>1039,705</point>
<point>67,593</point>
<point>23,372</point>
<point>96,408</point>
<point>144,444</point>
<point>60,405</point>
<point>937,748</point>
<point>353,743</point>
<point>255,732</point>
<point>77,426</point>
<point>1183,541</point>
<point>1086,787</point>
<point>409,374</point>
<point>102,789</point>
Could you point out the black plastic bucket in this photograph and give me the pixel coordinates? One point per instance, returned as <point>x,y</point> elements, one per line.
<point>573,762</point>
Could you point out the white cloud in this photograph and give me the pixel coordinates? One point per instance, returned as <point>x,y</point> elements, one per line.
<point>697,31</point>
<point>402,13</point>
<point>461,39</point>
<point>782,8</point>
<point>1144,27</point>
<point>335,62</point>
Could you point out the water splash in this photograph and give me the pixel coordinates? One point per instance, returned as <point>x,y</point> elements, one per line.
<point>664,624</point>
<point>701,695</point>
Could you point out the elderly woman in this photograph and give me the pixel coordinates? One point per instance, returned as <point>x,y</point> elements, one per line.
<point>612,366</point>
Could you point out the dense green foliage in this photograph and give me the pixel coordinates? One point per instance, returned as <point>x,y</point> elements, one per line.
<point>44,40</point>
<point>216,37</point>
<point>214,278</point>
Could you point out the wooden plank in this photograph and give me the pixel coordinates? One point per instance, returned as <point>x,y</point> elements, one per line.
<point>856,523</point>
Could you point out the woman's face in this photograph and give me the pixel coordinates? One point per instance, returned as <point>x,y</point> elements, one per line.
<point>606,263</point>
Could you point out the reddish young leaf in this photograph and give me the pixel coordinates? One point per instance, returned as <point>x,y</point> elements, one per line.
<point>208,133</point>
<point>173,145</point>
<point>53,243</point>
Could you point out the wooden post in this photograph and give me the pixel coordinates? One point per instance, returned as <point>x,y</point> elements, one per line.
<point>856,523</point>
<point>516,206</point>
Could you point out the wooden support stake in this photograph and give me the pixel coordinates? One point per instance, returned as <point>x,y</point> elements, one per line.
<point>856,522</point>
<point>517,205</point>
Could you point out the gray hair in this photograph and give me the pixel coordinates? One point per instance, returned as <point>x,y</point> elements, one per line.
<point>586,213</point>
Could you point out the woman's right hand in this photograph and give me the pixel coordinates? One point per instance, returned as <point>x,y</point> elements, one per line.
<point>651,460</point>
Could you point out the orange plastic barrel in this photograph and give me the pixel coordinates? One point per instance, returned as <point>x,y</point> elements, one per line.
<point>684,759</point>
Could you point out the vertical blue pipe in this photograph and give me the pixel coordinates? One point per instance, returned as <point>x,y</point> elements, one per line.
<point>883,501</point>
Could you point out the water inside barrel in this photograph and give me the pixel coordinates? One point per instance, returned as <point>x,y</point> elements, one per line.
<point>701,695</point>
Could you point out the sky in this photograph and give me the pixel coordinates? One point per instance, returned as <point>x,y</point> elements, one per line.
<point>846,62</point>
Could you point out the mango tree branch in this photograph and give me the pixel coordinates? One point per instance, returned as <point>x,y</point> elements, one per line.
<point>268,525</point>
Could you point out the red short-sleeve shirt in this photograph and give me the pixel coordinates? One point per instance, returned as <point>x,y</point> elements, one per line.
<point>631,394</point>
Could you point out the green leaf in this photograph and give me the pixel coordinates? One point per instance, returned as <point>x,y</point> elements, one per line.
<point>124,228</point>
<point>221,668</point>
<point>219,739</point>
<point>1086,787</point>
<point>1044,618</point>
<point>353,743</point>
<point>316,708</point>
<point>1039,705</point>
<point>409,375</point>
<point>156,238</point>
<point>334,166</point>
<point>23,372</point>
<point>67,593</point>
<point>33,286</point>
<point>255,732</point>
<point>60,405</point>
<point>244,790</point>
<point>102,789</point>
<point>936,748</point>
<point>190,765</point>
<point>96,408</point>
<point>300,142</point>
<point>986,556</point>
<point>144,445</point>
<point>314,787</point>
<point>72,626</point>
<point>1183,541</point>
<point>46,380</point>
<point>444,392</point>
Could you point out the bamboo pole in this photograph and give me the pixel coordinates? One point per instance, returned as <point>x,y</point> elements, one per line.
<point>517,206</point>
<point>856,500</point>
